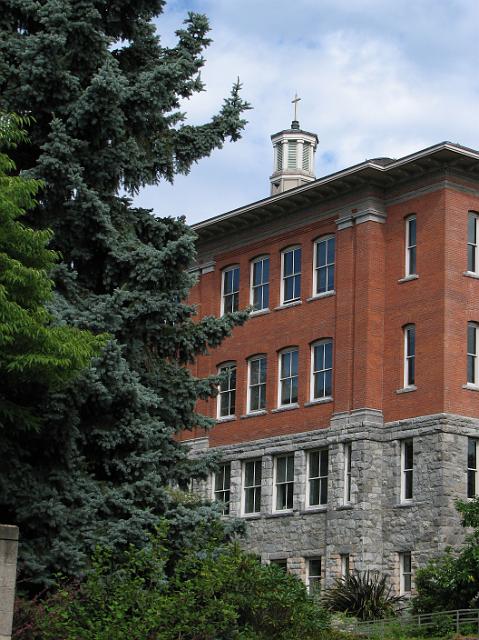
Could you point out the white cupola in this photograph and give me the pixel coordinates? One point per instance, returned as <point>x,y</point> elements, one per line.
<point>294,155</point>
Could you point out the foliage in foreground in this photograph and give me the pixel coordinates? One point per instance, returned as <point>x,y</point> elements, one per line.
<point>214,590</point>
<point>452,581</point>
<point>105,96</point>
<point>364,594</point>
<point>33,351</point>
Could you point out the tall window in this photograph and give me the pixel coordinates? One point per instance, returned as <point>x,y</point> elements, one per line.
<point>284,482</point>
<point>227,390</point>
<point>347,472</point>
<point>291,267</point>
<point>322,370</point>
<point>230,287</point>
<point>472,353</point>
<point>411,245</point>
<point>257,383</point>
<point>345,568</point>
<point>409,355</point>
<point>472,242</point>
<point>318,477</point>
<point>314,575</point>
<point>405,572</point>
<point>288,377</point>
<point>407,470</point>
<point>260,283</point>
<point>222,486</point>
<point>252,486</point>
<point>472,485</point>
<point>324,250</point>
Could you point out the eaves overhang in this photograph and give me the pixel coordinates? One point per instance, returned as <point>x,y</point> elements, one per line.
<point>378,173</point>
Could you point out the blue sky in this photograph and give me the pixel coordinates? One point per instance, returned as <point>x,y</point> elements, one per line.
<point>375,77</point>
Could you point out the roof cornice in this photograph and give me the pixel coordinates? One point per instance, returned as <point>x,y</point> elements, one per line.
<point>369,171</point>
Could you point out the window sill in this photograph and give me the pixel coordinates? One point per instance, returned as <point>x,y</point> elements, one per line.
<point>413,276</point>
<point>287,305</point>
<point>313,403</point>
<point>251,516</point>
<point>259,312</point>
<point>345,507</point>
<point>470,386</point>
<point>318,296</point>
<point>225,419</point>
<point>404,505</point>
<point>288,407</point>
<point>407,389</point>
<point>279,514</point>
<point>254,414</point>
<point>471,274</point>
<point>316,509</point>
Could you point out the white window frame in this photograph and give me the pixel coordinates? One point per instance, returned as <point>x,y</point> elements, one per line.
<point>232,293</point>
<point>407,471</point>
<point>473,327</point>
<point>222,367</point>
<point>253,486</point>
<point>472,468</point>
<point>473,243</point>
<point>405,572</point>
<point>281,380</point>
<point>289,461</point>
<point>328,266</point>
<point>314,578</point>
<point>324,369</point>
<point>259,286</point>
<point>347,451</point>
<point>411,249</point>
<point>224,489</point>
<point>294,274</point>
<point>319,478</point>
<point>345,565</point>
<point>260,384</point>
<point>409,357</point>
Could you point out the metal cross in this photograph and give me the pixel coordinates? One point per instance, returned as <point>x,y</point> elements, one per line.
<point>295,102</point>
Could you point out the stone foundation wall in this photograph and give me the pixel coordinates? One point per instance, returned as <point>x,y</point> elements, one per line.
<point>376,526</point>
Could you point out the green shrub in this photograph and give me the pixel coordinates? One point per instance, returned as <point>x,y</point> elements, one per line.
<point>214,591</point>
<point>365,594</point>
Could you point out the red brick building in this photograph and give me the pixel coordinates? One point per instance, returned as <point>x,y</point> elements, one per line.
<point>350,409</point>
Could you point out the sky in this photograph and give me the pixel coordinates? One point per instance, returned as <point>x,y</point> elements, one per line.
<point>375,78</point>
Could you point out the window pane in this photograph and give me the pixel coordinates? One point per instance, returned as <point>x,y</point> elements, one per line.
<point>290,469</point>
<point>265,304</point>
<point>471,369</point>
<point>249,474</point>
<point>289,289</point>
<point>257,272</point>
<point>471,483</point>
<point>321,254</point>
<point>412,260</point>
<point>288,263</point>
<point>297,286</point>
<point>471,229</point>
<point>328,355</point>
<point>411,341</point>
<point>471,454</point>
<point>315,567</point>
<point>313,492</point>
<point>285,364</point>
<point>257,465</point>
<point>408,488</point>
<point>471,339</point>
<point>408,455</point>
<point>331,278</point>
<point>294,363</point>
<point>328,383</point>
<point>257,497</point>
<point>324,491</point>
<point>281,469</point>
<point>294,389</point>
<point>412,232</point>
<point>322,280</point>
<point>324,462</point>
<point>314,464</point>
<point>331,243</point>
<point>471,258</point>
<point>249,501</point>
<point>297,260</point>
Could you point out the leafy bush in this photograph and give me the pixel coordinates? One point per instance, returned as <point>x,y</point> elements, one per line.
<point>214,590</point>
<point>451,581</point>
<point>365,594</point>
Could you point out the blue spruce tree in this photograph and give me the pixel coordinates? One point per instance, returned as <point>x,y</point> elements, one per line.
<point>105,95</point>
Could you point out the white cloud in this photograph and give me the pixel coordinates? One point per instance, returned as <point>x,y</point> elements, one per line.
<point>376,77</point>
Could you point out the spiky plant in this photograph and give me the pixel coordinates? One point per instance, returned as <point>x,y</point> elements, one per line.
<point>364,594</point>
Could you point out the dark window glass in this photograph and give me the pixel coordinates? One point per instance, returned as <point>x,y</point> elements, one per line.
<point>472,353</point>
<point>289,377</point>
<point>325,250</point>
<point>260,286</point>
<point>292,274</point>
<point>231,290</point>
<point>222,486</point>
<point>471,467</point>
